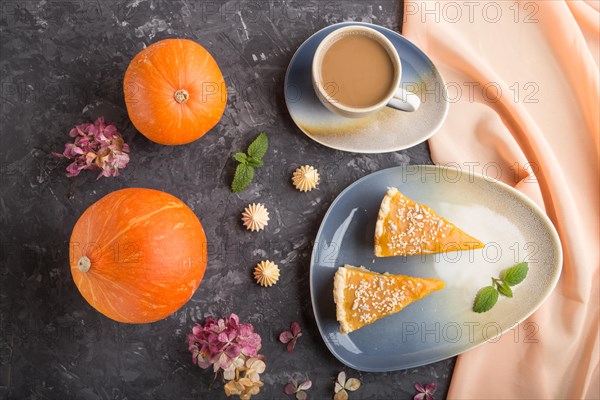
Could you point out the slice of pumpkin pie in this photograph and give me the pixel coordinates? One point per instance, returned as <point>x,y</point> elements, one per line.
<point>405,227</point>
<point>362,296</point>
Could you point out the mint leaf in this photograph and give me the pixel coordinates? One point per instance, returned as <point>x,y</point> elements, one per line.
<point>488,296</point>
<point>242,178</point>
<point>504,289</point>
<point>259,146</point>
<point>241,157</point>
<point>516,274</point>
<point>244,172</point>
<point>486,299</point>
<point>254,162</point>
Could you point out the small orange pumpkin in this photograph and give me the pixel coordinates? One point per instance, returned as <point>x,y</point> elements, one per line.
<point>138,255</point>
<point>174,91</point>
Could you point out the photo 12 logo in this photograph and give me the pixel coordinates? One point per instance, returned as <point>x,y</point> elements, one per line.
<point>466,332</point>
<point>453,172</point>
<point>39,15</point>
<point>472,11</point>
<point>474,92</point>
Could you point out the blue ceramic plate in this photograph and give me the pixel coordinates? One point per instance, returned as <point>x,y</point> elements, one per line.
<point>388,129</point>
<point>443,324</point>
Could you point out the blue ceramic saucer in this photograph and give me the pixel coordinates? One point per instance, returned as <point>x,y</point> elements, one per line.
<point>386,130</point>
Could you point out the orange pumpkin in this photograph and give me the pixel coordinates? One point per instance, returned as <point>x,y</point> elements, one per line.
<point>138,255</point>
<point>174,91</point>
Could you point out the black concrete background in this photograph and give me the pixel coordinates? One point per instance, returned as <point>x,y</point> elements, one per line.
<point>62,63</point>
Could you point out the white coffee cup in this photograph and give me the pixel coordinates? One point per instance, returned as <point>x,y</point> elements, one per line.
<point>397,97</point>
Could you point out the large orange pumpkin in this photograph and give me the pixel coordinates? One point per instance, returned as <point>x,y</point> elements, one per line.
<point>174,91</point>
<point>138,255</point>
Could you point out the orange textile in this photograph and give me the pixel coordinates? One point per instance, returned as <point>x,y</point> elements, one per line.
<point>523,82</point>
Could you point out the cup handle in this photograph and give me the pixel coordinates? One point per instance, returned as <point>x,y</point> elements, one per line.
<point>405,101</point>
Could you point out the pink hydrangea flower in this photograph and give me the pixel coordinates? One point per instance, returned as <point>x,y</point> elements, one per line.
<point>425,393</point>
<point>96,146</point>
<point>290,337</point>
<point>222,342</point>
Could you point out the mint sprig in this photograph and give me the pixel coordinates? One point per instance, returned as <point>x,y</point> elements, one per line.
<point>488,296</point>
<point>244,172</point>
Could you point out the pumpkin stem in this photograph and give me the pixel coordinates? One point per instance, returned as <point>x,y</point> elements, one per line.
<point>181,96</point>
<point>84,264</point>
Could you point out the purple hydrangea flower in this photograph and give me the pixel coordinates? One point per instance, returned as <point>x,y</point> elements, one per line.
<point>222,342</point>
<point>96,146</point>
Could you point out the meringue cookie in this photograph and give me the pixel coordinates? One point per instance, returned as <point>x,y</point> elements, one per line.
<point>255,217</point>
<point>266,273</point>
<point>305,178</point>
